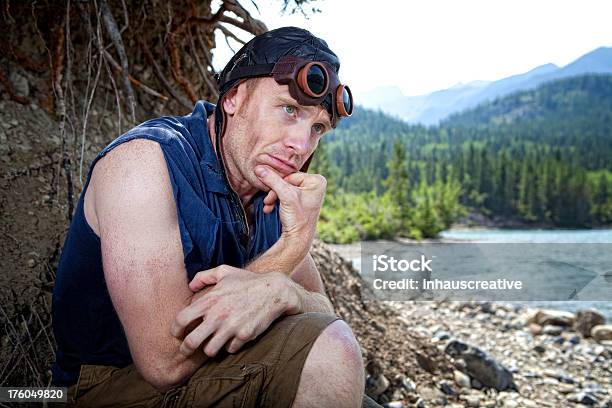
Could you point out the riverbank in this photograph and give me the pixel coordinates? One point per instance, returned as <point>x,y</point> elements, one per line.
<point>501,355</point>
<point>551,365</point>
<point>480,221</point>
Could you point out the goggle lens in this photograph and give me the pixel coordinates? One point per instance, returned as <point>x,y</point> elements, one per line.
<point>347,100</point>
<point>344,101</point>
<point>316,78</point>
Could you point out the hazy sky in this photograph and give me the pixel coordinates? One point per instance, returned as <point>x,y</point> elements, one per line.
<point>425,45</point>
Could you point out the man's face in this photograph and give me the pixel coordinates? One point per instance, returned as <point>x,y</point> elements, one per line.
<point>270,129</point>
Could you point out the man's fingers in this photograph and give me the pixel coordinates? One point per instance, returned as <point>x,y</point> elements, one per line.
<point>305,179</point>
<point>197,336</point>
<point>209,277</point>
<point>269,201</point>
<point>271,179</point>
<point>270,198</point>
<point>268,208</point>
<point>234,345</point>
<point>296,179</point>
<point>197,309</point>
<point>182,320</point>
<point>216,342</point>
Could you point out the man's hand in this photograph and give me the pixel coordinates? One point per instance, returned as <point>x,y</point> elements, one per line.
<point>237,309</point>
<point>301,197</point>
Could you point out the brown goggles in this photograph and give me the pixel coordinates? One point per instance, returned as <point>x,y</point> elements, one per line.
<point>310,83</point>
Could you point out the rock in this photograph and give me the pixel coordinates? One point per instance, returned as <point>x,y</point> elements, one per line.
<point>566,388</point>
<point>426,362</point>
<point>442,335</point>
<point>377,386</point>
<point>586,320</point>
<point>487,307</point>
<point>574,339</point>
<point>558,339</point>
<point>510,403</point>
<point>430,394</point>
<point>481,366</point>
<point>394,404</point>
<point>552,330</point>
<point>548,381</point>
<point>31,263</point>
<point>539,348</point>
<point>594,388</point>
<point>552,317</point>
<point>564,378</point>
<point>529,403</point>
<point>471,400</point>
<point>534,328</point>
<point>447,388</point>
<point>582,398</point>
<point>406,383</point>
<point>501,313</point>
<point>602,332</point>
<point>558,376</point>
<point>462,380</point>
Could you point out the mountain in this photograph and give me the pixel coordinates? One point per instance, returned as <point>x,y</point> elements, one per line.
<point>569,119</point>
<point>572,114</point>
<point>431,108</point>
<point>579,105</point>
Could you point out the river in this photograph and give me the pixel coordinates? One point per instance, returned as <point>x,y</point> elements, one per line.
<point>512,236</point>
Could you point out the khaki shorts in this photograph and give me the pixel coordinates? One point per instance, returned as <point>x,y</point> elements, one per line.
<point>264,373</point>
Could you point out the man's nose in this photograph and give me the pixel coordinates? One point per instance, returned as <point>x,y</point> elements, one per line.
<point>299,139</point>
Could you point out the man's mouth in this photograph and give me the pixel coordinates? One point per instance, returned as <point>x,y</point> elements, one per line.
<point>282,166</point>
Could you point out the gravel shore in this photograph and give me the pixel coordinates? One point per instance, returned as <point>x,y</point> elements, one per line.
<point>551,364</point>
<point>491,355</point>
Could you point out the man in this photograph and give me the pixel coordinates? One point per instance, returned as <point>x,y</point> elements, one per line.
<point>185,279</point>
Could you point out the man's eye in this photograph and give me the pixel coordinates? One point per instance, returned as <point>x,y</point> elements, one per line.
<point>289,109</point>
<point>319,128</point>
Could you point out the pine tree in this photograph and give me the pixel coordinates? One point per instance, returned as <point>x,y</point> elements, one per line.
<point>397,185</point>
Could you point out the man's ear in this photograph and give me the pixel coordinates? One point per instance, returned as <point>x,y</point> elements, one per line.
<point>234,98</point>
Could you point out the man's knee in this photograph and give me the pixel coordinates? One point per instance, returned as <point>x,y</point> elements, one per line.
<point>337,343</point>
<point>333,373</point>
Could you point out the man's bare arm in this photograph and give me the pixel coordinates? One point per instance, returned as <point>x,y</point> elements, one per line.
<point>305,280</point>
<point>301,197</point>
<point>142,257</point>
<point>309,286</point>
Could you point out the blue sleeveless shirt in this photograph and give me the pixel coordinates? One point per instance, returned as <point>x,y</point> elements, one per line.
<point>213,232</point>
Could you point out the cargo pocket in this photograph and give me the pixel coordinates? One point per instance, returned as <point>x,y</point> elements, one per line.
<point>231,386</point>
<point>107,386</point>
<point>89,377</point>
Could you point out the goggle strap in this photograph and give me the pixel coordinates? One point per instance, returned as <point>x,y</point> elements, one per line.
<point>250,71</point>
<point>260,70</point>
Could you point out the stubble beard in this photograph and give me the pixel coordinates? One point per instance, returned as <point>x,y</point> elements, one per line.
<point>238,154</point>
